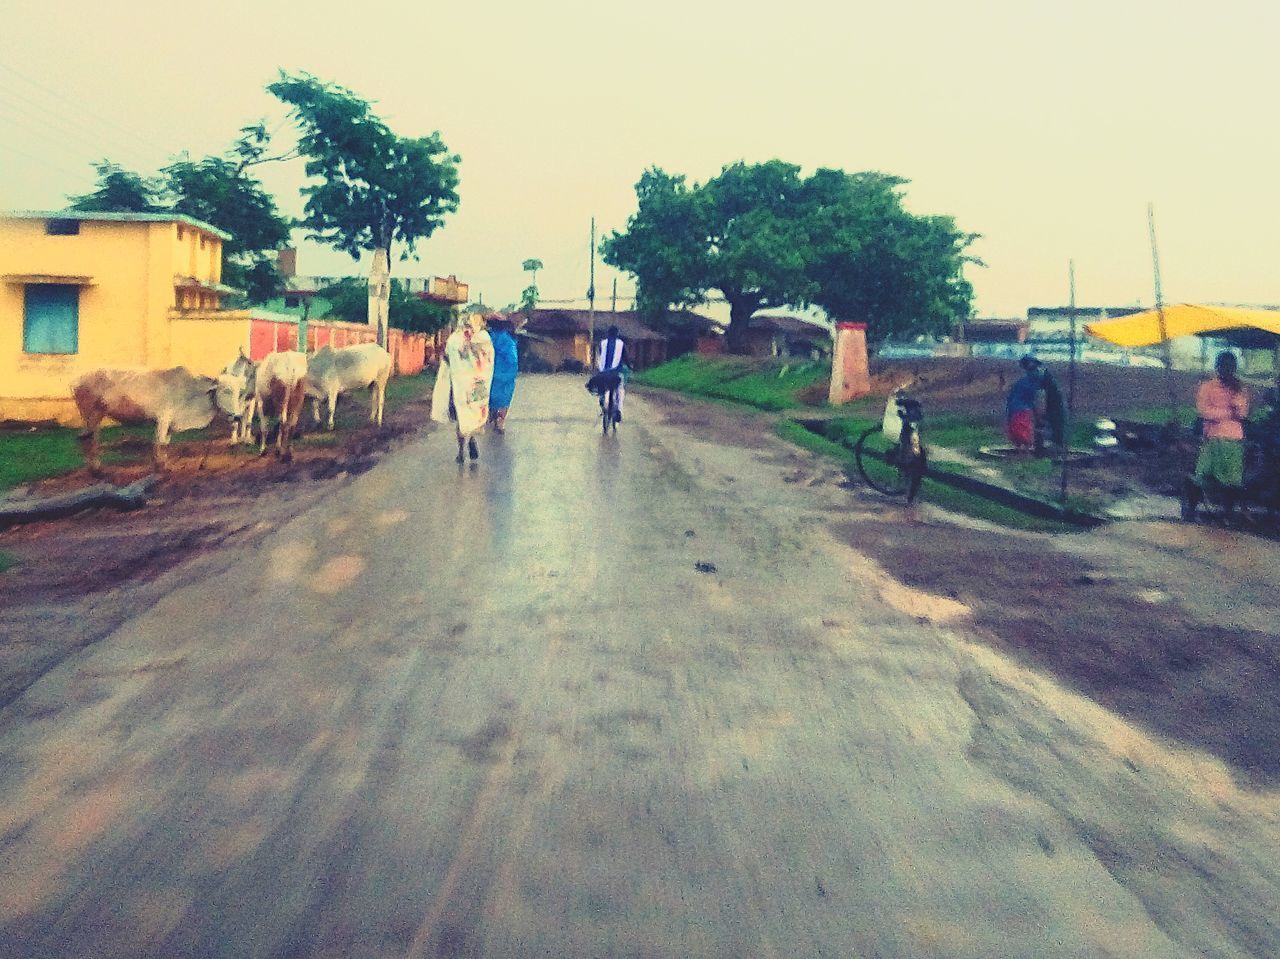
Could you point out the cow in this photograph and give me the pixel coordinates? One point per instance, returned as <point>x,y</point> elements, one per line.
<point>174,399</point>
<point>279,389</point>
<point>331,372</point>
<point>241,373</point>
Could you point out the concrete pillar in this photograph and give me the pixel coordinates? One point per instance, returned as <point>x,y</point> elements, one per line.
<point>850,376</point>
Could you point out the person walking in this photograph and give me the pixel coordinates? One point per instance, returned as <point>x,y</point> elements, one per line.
<point>611,355</point>
<point>463,381</point>
<point>1223,405</point>
<point>506,367</point>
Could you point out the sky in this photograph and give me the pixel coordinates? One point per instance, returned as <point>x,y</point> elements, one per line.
<point>1047,128</point>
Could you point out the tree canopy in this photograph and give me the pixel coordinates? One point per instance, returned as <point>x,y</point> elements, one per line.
<point>764,236</point>
<point>219,190</point>
<point>119,191</point>
<point>374,188</point>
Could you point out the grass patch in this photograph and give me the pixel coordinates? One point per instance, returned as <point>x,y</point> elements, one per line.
<point>7,561</point>
<point>764,384</point>
<point>28,457</point>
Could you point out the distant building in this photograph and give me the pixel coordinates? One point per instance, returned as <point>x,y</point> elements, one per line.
<point>771,334</point>
<point>1053,323</point>
<point>991,330</point>
<point>557,336</point>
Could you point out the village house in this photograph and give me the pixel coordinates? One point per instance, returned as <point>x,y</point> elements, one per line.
<point>561,338</point>
<point>81,291</point>
<point>780,335</point>
<point>85,290</point>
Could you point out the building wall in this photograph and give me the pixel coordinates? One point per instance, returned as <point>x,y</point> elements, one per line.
<point>122,312</point>
<point>206,342</point>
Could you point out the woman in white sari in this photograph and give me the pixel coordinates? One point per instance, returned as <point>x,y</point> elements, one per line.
<point>462,385</point>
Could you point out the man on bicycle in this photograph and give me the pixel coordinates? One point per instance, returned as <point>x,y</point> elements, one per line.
<point>611,355</point>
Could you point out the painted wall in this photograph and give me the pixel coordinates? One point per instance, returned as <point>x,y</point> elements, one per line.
<point>126,295</point>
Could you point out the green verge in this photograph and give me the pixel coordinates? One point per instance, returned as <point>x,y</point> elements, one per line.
<point>28,457</point>
<point>946,497</point>
<point>771,385</point>
<point>7,561</point>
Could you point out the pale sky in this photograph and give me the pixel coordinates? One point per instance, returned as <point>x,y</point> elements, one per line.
<point>1045,127</point>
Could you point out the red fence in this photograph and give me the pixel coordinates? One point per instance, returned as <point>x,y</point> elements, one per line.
<point>410,352</point>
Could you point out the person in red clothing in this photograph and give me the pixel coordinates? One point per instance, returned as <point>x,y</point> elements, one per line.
<point>1223,406</point>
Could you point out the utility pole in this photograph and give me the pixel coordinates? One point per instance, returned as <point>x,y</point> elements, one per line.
<point>591,300</point>
<point>1071,385</point>
<point>615,294</point>
<point>1164,333</point>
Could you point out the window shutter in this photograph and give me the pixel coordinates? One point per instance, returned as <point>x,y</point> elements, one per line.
<point>51,322</point>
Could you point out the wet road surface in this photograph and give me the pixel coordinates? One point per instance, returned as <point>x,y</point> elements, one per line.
<point>619,696</point>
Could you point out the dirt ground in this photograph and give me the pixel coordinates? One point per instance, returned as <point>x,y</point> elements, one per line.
<point>978,386</point>
<point>1140,652</point>
<point>76,578</point>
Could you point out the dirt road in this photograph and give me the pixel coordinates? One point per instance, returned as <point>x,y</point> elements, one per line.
<point>632,696</point>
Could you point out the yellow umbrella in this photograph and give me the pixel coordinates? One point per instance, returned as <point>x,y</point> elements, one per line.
<point>1182,319</point>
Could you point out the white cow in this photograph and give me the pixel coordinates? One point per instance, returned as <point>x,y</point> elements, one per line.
<point>174,400</point>
<point>240,374</point>
<point>279,389</point>
<point>331,372</point>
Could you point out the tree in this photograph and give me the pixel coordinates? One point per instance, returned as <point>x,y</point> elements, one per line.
<point>763,236</point>
<point>220,191</point>
<point>529,295</point>
<point>349,300</point>
<point>119,191</point>
<point>741,233</point>
<point>374,188</point>
<point>872,261</point>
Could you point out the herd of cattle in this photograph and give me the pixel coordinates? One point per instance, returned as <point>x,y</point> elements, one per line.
<point>275,387</point>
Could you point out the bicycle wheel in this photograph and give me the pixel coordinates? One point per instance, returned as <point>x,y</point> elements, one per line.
<point>877,461</point>
<point>606,414</point>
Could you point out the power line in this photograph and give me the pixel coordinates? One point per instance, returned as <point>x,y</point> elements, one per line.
<point>112,124</point>
<point>62,134</point>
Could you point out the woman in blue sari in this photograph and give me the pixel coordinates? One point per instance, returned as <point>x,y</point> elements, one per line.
<point>506,365</point>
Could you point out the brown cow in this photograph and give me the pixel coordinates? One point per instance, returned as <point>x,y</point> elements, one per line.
<point>279,386</point>
<point>174,400</point>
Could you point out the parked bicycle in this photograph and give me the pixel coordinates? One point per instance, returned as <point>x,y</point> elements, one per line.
<point>891,457</point>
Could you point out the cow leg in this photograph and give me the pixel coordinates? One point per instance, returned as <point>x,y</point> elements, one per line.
<point>163,422</point>
<point>333,407</point>
<point>380,395</point>
<point>262,428</point>
<point>89,443</point>
<point>315,409</point>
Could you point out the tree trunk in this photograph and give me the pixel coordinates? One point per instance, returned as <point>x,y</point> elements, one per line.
<point>740,310</point>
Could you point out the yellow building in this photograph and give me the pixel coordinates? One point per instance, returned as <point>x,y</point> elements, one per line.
<point>79,291</point>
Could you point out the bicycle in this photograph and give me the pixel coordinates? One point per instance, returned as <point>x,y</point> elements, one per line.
<point>609,412</point>
<point>894,467</point>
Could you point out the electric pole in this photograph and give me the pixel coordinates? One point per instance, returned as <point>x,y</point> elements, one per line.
<point>591,300</point>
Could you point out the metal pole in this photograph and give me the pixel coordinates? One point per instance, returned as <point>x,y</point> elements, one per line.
<point>591,301</point>
<point>1071,384</point>
<point>1164,333</point>
<point>615,294</point>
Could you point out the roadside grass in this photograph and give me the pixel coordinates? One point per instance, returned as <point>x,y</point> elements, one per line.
<point>7,562</point>
<point>27,457</point>
<point>772,385</point>
<point>948,498</point>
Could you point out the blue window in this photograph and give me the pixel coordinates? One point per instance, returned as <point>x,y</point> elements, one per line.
<point>51,319</point>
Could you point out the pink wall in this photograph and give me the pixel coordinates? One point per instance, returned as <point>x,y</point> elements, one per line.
<point>410,352</point>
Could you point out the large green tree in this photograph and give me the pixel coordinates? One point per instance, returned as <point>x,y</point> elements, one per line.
<point>373,188</point>
<point>763,236</point>
<point>870,260</point>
